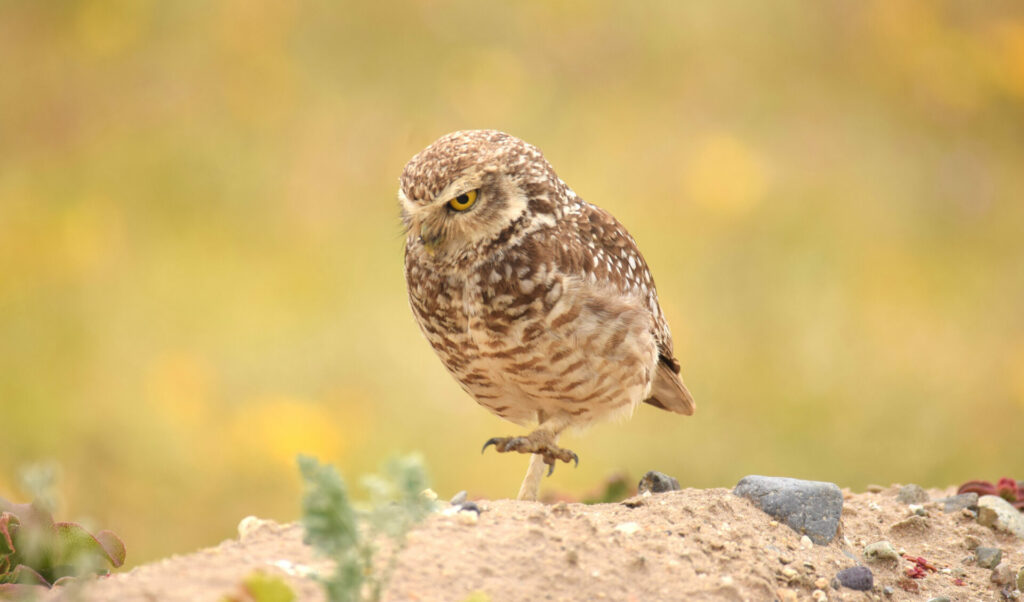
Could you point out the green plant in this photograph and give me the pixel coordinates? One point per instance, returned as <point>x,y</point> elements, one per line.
<point>261,587</point>
<point>350,537</point>
<point>36,551</point>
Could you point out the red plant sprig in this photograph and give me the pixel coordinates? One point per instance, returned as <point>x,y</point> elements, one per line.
<point>921,567</point>
<point>1007,488</point>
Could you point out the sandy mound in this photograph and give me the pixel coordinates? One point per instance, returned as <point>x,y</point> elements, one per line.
<point>684,545</point>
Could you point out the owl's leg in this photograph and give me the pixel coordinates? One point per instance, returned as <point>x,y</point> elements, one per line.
<point>542,444</point>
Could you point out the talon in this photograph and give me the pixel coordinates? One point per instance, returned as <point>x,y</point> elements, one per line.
<point>575,459</point>
<point>492,441</point>
<point>551,466</point>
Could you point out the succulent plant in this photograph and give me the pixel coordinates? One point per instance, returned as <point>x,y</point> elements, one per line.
<point>36,551</point>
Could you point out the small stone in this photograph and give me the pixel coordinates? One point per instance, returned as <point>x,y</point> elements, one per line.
<point>1002,575</point>
<point>468,518</point>
<point>808,507</point>
<point>988,557</point>
<point>627,528</point>
<point>429,494</point>
<point>458,498</point>
<point>806,543</point>
<point>888,591</point>
<point>912,494</point>
<point>958,502</point>
<point>939,599</point>
<point>880,550</point>
<point>995,512</point>
<point>819,596</point>
<point>875,488</point>
<point>959,572</point>
<point>785,558</point>
<point>789,573</point>
<point>657,482</point>
<point>469,507</point>
<point>821,583</point>
<point>917,509</point>
<point>572,557</point>
<point>971,542</point>
<point>856,577</point>
<point>786,595</point>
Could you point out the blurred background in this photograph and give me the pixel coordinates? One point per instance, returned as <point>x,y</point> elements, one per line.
<point>201,259</point>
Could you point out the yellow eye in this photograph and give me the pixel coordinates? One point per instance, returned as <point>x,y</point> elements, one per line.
<point>463,201</point>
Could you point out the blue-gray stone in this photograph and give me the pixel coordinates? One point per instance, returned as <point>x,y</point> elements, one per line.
<point>808,507</point>
<point>856,577</point>
<point>988,558</point>
<point>959,502</point>
<point>657,482</point>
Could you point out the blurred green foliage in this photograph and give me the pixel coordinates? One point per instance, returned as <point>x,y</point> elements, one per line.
<point>200,256</point>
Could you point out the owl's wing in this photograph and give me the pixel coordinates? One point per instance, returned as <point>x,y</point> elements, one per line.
<point>616,260</point>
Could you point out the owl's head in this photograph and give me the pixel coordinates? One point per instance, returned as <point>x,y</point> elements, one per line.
<point>469,187</point>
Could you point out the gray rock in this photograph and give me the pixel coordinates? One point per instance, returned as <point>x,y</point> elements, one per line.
<point>888,591</point>
<point>958,502</point>
<point>458,498</point>
<point>912,494</point>
<point>880,550</point>
<point>988,557</point>
<point>808,507</point>
<point>657,482</point>
<point>856,577</point>
<point>995,512</point>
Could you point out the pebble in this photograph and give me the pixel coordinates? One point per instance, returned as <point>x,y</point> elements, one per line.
<point>888,591</point>
<point>1002,575</point>
<point>917,509</point>
<point>939,599</point>
<point>912,494</point>
<point>856,577</point>
<point>458,498</point>
<point>971,542</point>
<point>468,518</point>
<point>988,557</point>
<point>875,488</point>
<point>819,596</point>
<point>657,482</point>
<point>786,595</point>
<point>995,512</point>
<point>821,583</point>
<point>806,543</point>
<point>812,508</point>
<point>627,528</point>
<point>958,502</point>
<point>880,550</point>
<point>469,507</point>
<point>789,573</point>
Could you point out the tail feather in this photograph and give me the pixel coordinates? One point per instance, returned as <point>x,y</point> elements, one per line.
<point>668,391</point>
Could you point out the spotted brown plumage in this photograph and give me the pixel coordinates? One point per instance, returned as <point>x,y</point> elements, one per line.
<point>538,303</point>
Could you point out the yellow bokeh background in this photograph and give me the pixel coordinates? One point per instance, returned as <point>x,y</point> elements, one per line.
<point>201,260</point>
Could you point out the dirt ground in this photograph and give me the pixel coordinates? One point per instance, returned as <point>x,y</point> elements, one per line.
<point>683,545</point>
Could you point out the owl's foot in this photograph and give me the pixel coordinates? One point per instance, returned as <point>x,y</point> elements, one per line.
<point>538,442</point>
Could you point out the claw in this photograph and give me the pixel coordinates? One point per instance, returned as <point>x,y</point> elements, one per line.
<point>492,441</point>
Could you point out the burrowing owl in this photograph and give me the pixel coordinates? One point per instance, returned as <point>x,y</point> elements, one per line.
<point>537,302</point>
